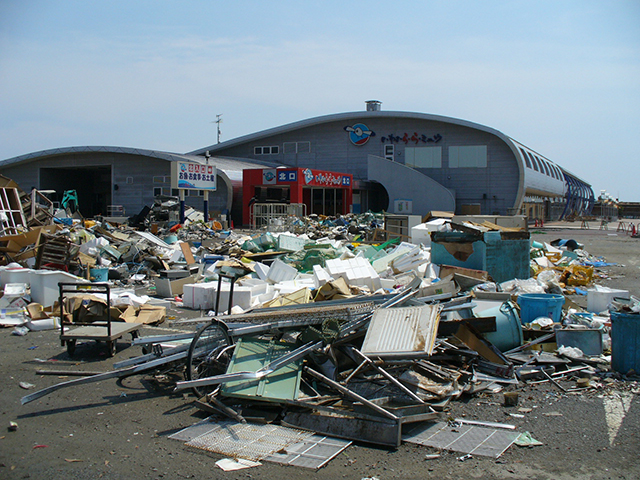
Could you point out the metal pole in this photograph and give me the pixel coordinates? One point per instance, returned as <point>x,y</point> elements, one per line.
<point>206,192</point>
<point>182,205</point>
<point>206,206</point>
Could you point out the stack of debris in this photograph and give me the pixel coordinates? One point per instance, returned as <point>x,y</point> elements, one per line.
<point>321,329</point>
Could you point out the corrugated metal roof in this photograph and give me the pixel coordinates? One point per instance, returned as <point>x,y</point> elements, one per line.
<point>232,167</point>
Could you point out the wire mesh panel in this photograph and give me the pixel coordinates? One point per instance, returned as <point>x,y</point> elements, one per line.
<point>276,217</point>
<point>469,439</point>
<point>250,441</point>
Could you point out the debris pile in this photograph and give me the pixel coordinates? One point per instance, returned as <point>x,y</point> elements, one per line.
<point>322,328</point>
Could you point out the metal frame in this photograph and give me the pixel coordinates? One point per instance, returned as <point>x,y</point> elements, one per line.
<point>275,216</point>
<point>99,329</point>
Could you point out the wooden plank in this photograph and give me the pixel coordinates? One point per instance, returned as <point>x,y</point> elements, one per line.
<point>186,251</point>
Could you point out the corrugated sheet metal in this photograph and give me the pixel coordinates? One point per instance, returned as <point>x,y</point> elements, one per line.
<point>402,331</point>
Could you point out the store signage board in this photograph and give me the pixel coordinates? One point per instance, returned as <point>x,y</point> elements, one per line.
<point>193,176</point>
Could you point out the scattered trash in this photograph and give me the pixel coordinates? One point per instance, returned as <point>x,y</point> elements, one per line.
<point>510,399</point>
<point>526,440</point>
<point>327,325</point>
<point>232,464</point>
<point>20,331</point>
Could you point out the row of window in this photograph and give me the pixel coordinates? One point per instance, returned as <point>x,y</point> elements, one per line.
<point>536,163</point>
<point>271,150</point>
<point>174,192</point>
<point>287,147</point>
<point>470,156</point>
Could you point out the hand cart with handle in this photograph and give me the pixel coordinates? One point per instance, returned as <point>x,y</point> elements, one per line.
<point>100,328</point>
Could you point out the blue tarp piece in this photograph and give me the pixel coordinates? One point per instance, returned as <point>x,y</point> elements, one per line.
<point>599,264</point>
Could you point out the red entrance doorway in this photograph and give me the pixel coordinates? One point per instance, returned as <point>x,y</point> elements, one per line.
<point>323,192</point>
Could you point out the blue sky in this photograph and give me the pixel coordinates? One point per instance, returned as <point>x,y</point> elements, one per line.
<point>562,77</point>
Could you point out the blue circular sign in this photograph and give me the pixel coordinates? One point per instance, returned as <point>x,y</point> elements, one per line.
<point>359,133</point>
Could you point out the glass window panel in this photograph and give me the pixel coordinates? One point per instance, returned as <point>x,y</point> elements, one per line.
<point>409,157</point>
<point>304,147</point>
<point>526,158</point>
<point>423,157</point>
<point>472,156</point>
<point>544,165</point>
<point>290,147</point>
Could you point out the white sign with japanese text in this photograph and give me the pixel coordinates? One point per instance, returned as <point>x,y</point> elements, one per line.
<point>193,176</point>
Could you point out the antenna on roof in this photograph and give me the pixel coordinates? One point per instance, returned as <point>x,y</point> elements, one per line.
<point>218,121</point>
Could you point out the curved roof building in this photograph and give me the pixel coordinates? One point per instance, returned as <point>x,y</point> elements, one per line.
<point>414,161</point>
<point>433,162</point>
<point>129,177</point>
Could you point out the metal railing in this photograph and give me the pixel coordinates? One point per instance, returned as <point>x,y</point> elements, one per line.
<point>276,217</point>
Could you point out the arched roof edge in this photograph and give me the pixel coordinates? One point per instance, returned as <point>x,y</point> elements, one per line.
<point>172,157</point>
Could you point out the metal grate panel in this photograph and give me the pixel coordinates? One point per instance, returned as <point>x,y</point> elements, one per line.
<point>253,442</point>
<point>313,452</point>
<point>471,439</point>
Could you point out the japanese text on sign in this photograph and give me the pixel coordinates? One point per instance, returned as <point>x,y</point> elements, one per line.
<point>413,138</point>
<point>194,176</point>
<point>325,178</point>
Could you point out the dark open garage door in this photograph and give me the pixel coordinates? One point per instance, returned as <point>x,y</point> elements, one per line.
<point>92,184</point>
<point>378,198</point>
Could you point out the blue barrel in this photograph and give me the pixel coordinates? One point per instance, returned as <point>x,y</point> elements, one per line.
<point>508,334</point>
<point>625,342</point>
<point>534,305</point>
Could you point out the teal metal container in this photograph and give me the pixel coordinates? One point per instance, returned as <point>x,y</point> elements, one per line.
<point>534,305</point>
<point>625,342</point>
<point>99,274</point>
<point>502,256</point>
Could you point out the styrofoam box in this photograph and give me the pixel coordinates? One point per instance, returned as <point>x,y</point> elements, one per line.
<point>15,275</point>
<point>242,297</point>
<point>199,296</point>
<point>44,285</point>
<point>202,296</point>
<point>280,271</point>
<point>320,276</point>
<point>598,300</point>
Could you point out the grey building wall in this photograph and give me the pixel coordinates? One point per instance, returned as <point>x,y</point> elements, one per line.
<point>494,187</point>
<point>130,180</point>
<point>403,183</point>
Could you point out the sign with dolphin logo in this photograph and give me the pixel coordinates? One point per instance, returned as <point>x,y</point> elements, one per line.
<point>359,133</point>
